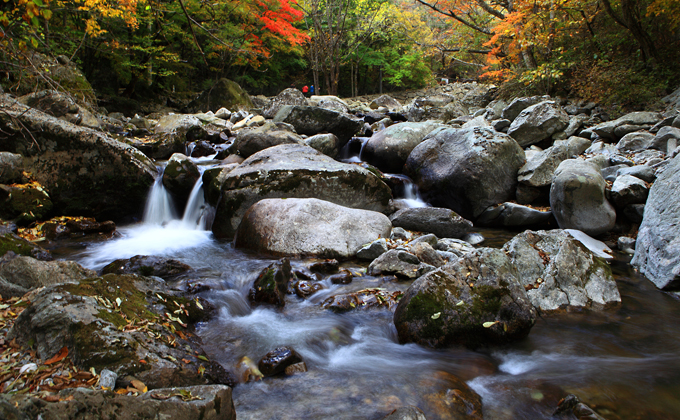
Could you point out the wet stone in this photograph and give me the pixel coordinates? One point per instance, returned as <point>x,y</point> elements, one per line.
<point>271,285</point>
<point>296,368</point>
<point>277,360</point>
<point>306,288</point>
<point>341,278</point>
<point>367,298</point>
<point>325,267</point>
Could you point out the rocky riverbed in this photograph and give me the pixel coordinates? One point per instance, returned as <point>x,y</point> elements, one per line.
<point>339,259</point>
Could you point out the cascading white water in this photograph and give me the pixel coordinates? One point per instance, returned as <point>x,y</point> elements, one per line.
<point>409,192</point>
<point>197,214</point>
<point>159,209</point>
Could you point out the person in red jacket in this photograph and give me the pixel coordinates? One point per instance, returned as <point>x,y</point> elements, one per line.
<point>305,90</point>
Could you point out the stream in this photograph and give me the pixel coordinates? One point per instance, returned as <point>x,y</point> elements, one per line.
<point>622,361</point>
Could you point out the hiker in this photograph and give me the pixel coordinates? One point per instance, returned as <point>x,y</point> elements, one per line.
<point>305,90</point>
<point>311,90</point>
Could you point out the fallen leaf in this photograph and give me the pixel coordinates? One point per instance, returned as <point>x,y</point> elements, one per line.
<point>436,316</point>
<point>139,386</point>
<point>490,324</point>
<point>58,357</point>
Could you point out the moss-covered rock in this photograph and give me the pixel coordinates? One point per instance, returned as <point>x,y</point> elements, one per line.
<point>223,94</point>
<point>124,323</point>
<point>272,283</point>
<point>24,203</point>
<point>476,301</point>
<point>20,246</point>
<point>179,178</point>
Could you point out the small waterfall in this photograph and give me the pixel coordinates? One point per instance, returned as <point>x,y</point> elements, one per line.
<point>197,214</point>
<point>159,209</point>
<point>407,192</point>
<point>348,154</point>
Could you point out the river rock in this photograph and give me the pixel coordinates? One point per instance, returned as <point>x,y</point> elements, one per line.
<point>373,250</point>
<point>513,215</point>
<point>635,142</point>
<point>11,166</point>
<point>311,120</point>
<point>306,288</point>
<point>644,172</point>
<point>277,360</point>
<point>518,105</point>
<point>308,226</point>
<point>62,106</point>
<point>271,284</point>
<point>657,251</point>
<point>86,317</point>
<point>290,96</point>
<point>179,177</point>
<point>86,172</point>
<point>539,169</point>
<point>249,142</point>
<point>427,254</point>
<point>362,299</point>
<point>202,148</point>
<point>224,93</point>
<point>538,122</point>
<point>294,171</point>
<point>606,129</point>
<point>386,101</point>
<point>206,402</point>
<point>444,223</point>
<point>147,265</point>
<point>328,144</point>
<point>559,272</point>
<point>400,263</point>
<point>577,198</point>
<point>24,203</point>
<point>474,302</point>
<point>666,139</point>
<point>10,242</point>
<point>329,102</point>
<point>406,413</point>
<point>466,170</point>
<point>22,274</point>
<point>454,246</point>
<point>388,149</point>
<point>628,189</point>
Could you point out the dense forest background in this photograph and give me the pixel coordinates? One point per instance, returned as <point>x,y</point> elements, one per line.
<point>621,53</point>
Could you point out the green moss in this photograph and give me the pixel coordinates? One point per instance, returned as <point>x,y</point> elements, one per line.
<point>145,270</point>
<point>9,242</point>
<point>487,300</point>
<point>92,351</point>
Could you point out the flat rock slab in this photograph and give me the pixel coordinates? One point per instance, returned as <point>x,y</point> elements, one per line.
<point>309,227</point>
<point>444,223</point>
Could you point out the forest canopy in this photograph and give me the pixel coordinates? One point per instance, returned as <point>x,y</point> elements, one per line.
<point>622,53</point>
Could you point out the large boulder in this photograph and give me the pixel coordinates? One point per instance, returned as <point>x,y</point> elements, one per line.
<point>559,272</point>
<point>513,109</point>
<point>294,171</point>
<point>606,130</point>
<point>539,169</point>
<point>474,302</point>
<point>466,170</point>
<point>249,142</point>
<point>24,203</point>
<point>311,120</point>
<point>444,223</point>
<point>62,106</point>
<point>329,102</point>
<point>290,96</point>
<point>309,227</point>
<point>657,251</point>
<point>88,319</point>
<point>388,149</point>
<point>22,274</point>
<point>402,264</point>
<point>223,94</point>
<point>386,101</point>
<point>513,215</point>
<point>577,198</point>
<point>179,177</point>
<point>85,172</point>
<point>538,122</point>
<point>147,265</point>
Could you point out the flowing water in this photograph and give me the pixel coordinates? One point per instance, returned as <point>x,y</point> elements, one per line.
<point>622,361</point>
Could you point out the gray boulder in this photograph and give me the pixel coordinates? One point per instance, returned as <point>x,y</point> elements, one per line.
<point>147,265</point>
<point>513,215</point>
<point>399,263</point>
<point>539,169</point>
<point>86,172</point>
<point>373,250</point>
<point>476,301</point>
<point>466,170</point>
<point>666,139</point>
<point>179,177</point>
<point>62,106</point>
<point>606,130</point>
<point>249,142</point>
<point>224,93</point>
<point>293,171</point>
<point>512,110</point>
<point>636,141</point>
<point>442,222</point>
<point>328,144</point>
<point>657,251</point>
<point>644,172</point>
<point>290,96</point>
<point>312,120</point>
<point>309,227</point>
<point>628,189</point>
<point>388,149</point>
<point>329,102</point>
<point>577,198</point>
<point>559,272</point>
<point>385,101</point>
<point>11,166</point>
<point>538,122</point>
<point>22,274</point>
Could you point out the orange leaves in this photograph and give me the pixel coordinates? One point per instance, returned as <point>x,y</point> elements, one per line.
<point>58,357</point>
